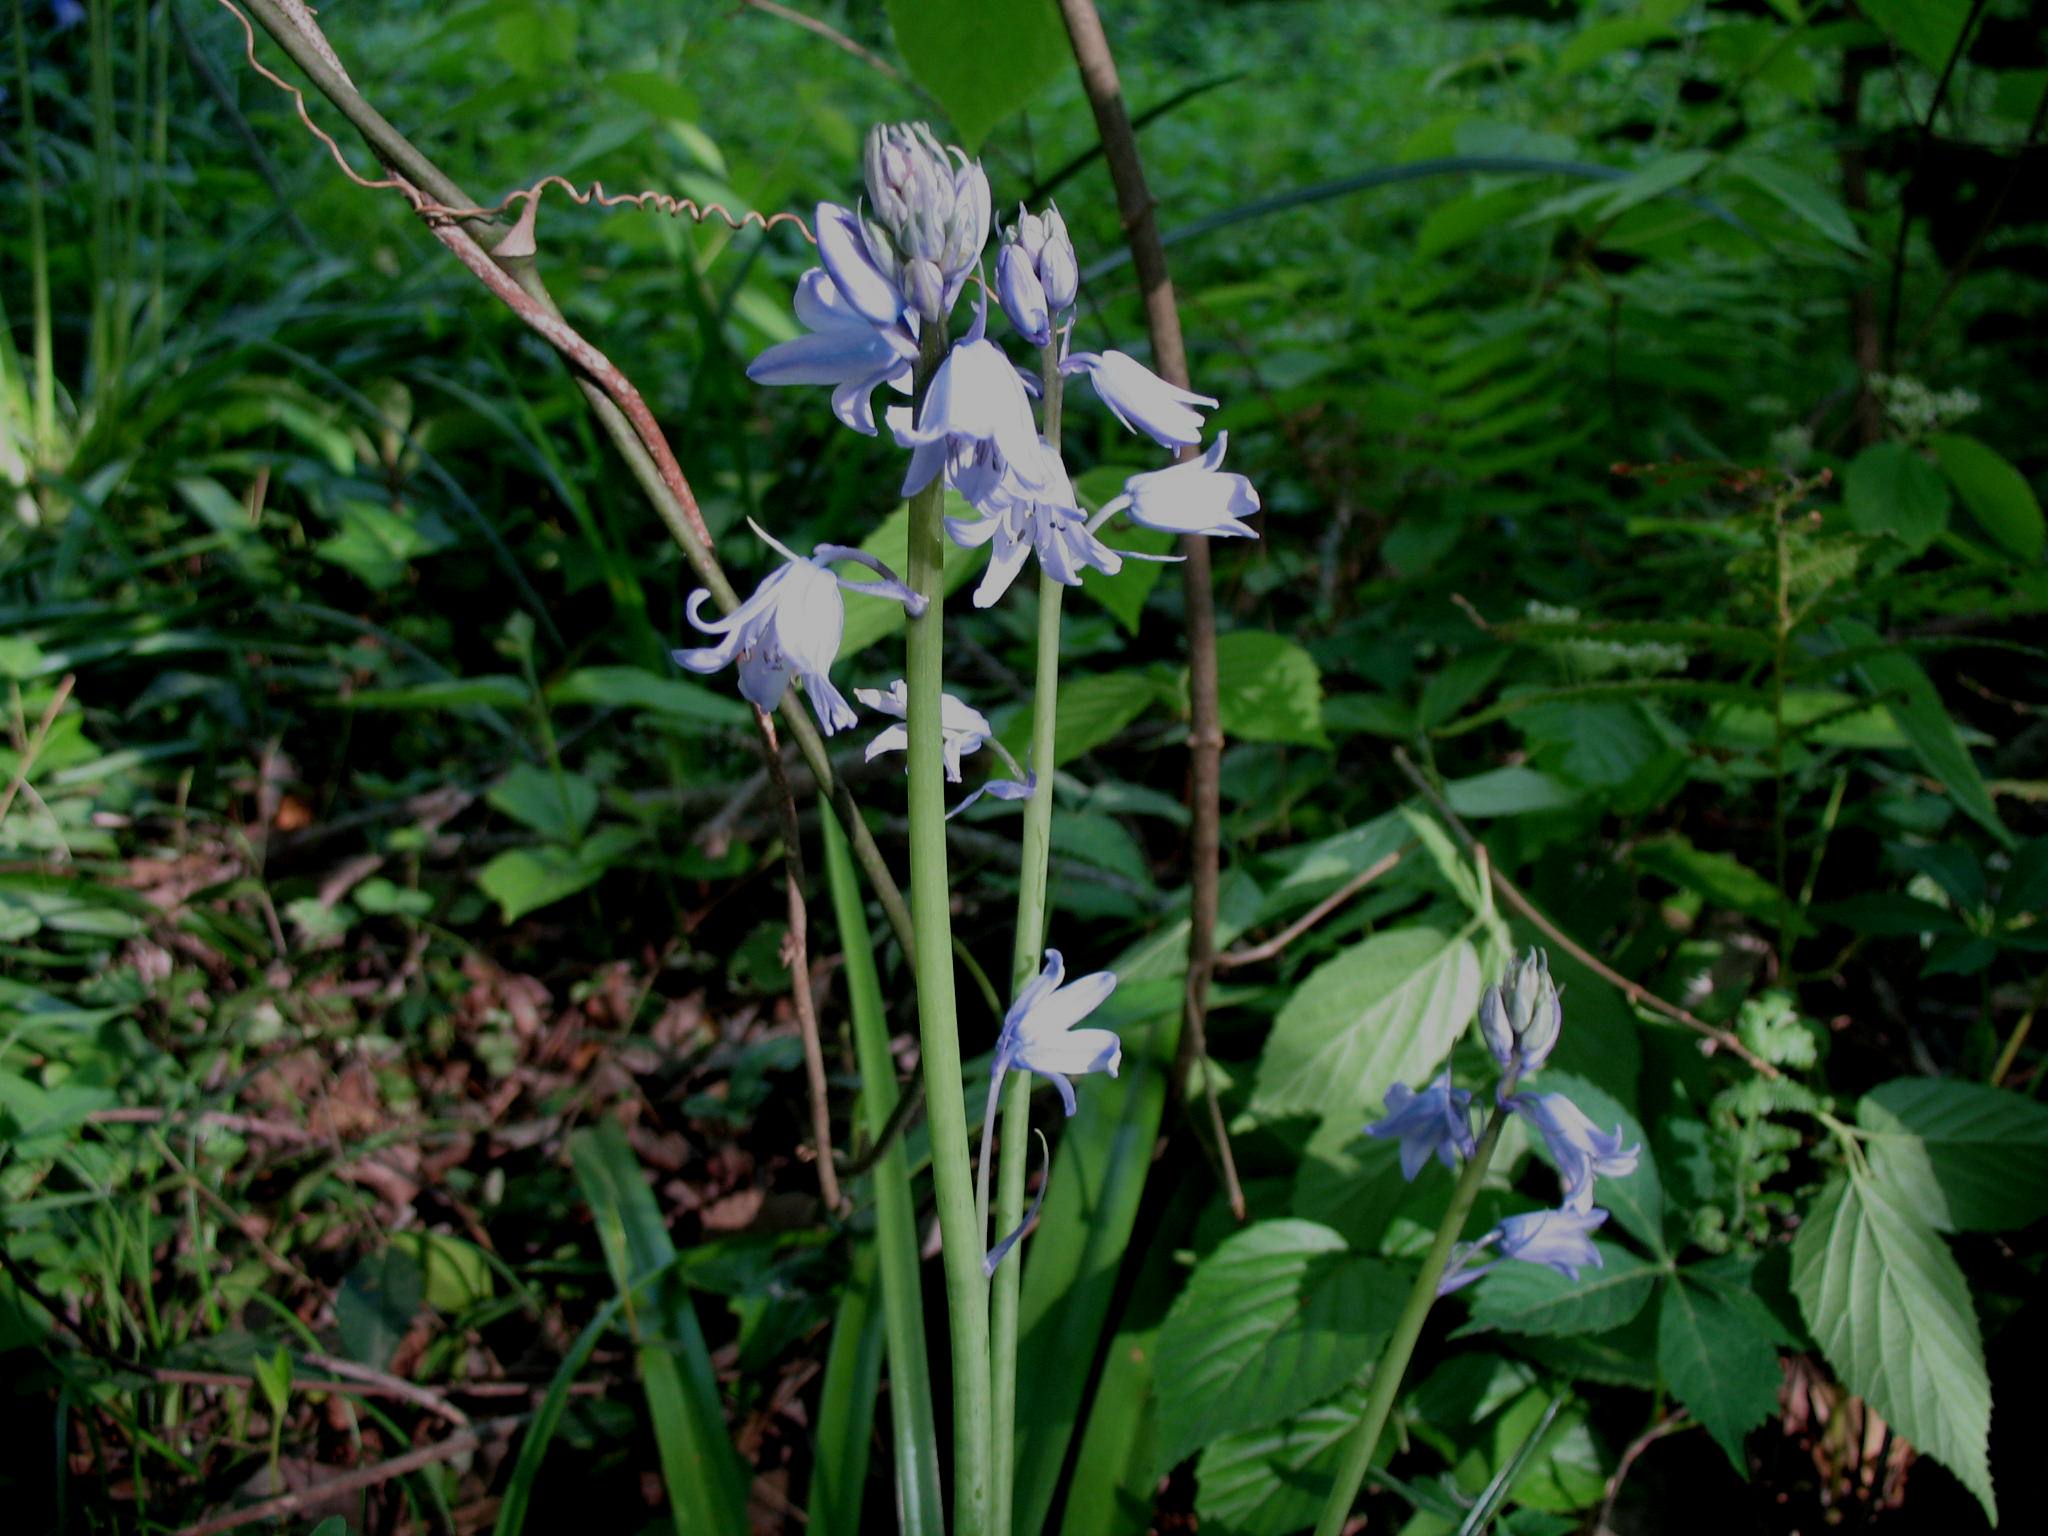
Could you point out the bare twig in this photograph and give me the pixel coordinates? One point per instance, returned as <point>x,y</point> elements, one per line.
<point>1714,1038</point>
<point>1670,1425</point>
<point>461,1443</point>
<point>1230,959</point>
<point>798,957</point>
<point>239,1125</point>
<point>830,33</point>
<point>1205,739</point>
<point>33,747</point>
<point>373,1384</point>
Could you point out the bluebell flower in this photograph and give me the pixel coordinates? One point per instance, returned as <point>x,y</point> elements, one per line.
<point>1435,1122</point>
<point>1581,1150</point>
<point>1193,497</point>
<point>963,728</point>
<point>1037,277</point>
<point>975,413</point>
<point>1140,399</point>
<point>793,623</point>
<point>844,349</point>
<point>66,13</point>
<point>1520,1016</point>
<point>1559,1239</point>
<point>1039,1034</point>
<point>1021,519</point>
<point>872,293</point>
<point>998,789</point>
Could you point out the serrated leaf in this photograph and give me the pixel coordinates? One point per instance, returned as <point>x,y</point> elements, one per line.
<point>983,59</point>
<point>1718,1363</point>
<point>1382,1012</point>
<point>1349,1181</point>
<point>1535,1299</point>
<point>1274,1481</point>
<point>1721,878</point>
<point>1093,709</point>
<point>1888,1305</point>
<point>1890,490</point>
<point>1636,1199</point>
<point>1984,1151</point>
<point>1281,1314</point>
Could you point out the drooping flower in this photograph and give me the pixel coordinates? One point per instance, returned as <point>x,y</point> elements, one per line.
<point>1195,496</point>
<point>1039,1034</point>
<point>963,728</point>
<point>1434,1122</point>
<point>975,414</point>
<point>1140,399</point>
<point>928,215</point>
<point>844,349</point>
<point>66,13</point>
<point>1559,1239</point>
<point>1581,1150</point>
<point>1037,277</point>
<point>997,789</point>
<point>792,624</point>
<point>1520,1015</point>
<point>1020,519</point>
<point>873,293</point>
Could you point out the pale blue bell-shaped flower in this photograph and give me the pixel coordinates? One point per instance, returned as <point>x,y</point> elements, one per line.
<point>1021,519</point>
<point>962,728</point>
<point>1195,496</point>
<point>975,408</point>
<point>1039,1034</point>
<point>1560,1240</point>
<point>874,294</point>
<point>1037,277</point>
<point>1433,1123</point>
<point>844,349</point>
<point>1140,399</point>
<point>1581,1150</point>
<point>793,623</point>
<point>998,789</point>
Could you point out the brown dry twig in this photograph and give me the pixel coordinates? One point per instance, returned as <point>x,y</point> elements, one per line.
<point>1713,1037</point>
<point>1252,954</point>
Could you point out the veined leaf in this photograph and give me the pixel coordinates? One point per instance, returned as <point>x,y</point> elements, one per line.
<point>1535,1299</point>
<point>983,59</point>
<point>1985,1151</point>
<point>1889,1307</point>
<point>1718,1364</point>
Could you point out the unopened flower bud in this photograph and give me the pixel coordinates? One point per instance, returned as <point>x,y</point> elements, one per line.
<point>1058,271</point>
<point>1022,298</point>
<point>1036,277</point>
<point>924,286</point>
<point>1520,1016</point>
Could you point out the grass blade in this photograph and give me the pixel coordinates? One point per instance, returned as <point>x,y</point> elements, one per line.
<point>846,1409</point>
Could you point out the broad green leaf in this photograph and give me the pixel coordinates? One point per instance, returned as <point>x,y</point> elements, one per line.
<point>1889,1307</point>
<point>458,1276</point>
<point>1093,709</point>
<point>1984,1150</point>
<point>375,1304</point>
<point>1899,681</point>
<point>1637,1200</point>
<point>1274,1481</point>
<point>379,545</point>
<point>1350,1181</point>
<point>1718,1364</point>
<point>1314,871</point>
<point>1559,1473</point>
<point>1889,489</point>
<point>1382,1012</point>
<point>1721,878</point>
<point>1535,1299</point>
<point>1589,45</point>
<point>1281,1314</point>
<point>869,619</point>
<point>1823,715</point>
<point>1927,29</point>
<point>638,688</point>
<point>983,59</point>
<point>1599,743</point>
<point>1512,791</point>
<point>1997,495</point>
<point>1805,197</point>
<point>1269,689</point>
<point>523,880</point>
<point>535,798</point>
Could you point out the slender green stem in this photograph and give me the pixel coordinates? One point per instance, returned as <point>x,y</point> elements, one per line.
<point>914,1433</point>
<point>1393,1364</point>
<point>1028,954</point>
<point>38,247</point>
<point>931,918</point>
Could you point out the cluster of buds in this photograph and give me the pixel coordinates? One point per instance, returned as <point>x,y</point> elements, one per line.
<point>1037,277</point>
<point>1520,1017</point>
<point>927,216</point>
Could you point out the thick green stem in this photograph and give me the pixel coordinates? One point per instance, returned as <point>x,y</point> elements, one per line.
<point>1027,956</point>
<point>1393,1364</point>
<point>931,919</point>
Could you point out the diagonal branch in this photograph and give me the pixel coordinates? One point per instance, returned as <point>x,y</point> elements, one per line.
<point>508,269</point>
<point>1205,740</point>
